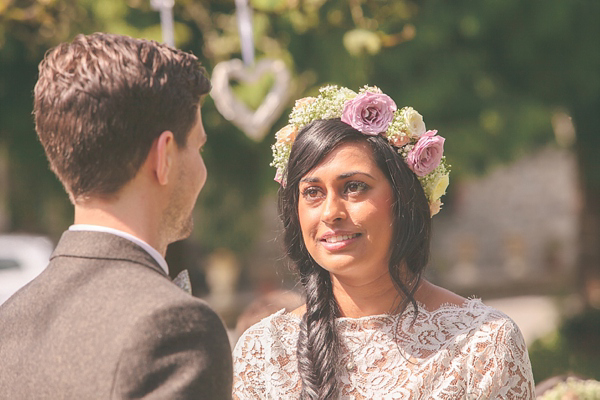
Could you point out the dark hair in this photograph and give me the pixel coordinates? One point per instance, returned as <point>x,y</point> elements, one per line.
<point>318,342</point>
<point>102,100</point>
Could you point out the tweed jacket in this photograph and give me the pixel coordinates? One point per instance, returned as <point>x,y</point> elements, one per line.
<point>103,321</point>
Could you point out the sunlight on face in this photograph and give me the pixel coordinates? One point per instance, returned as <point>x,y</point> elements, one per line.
<point>345,211</point>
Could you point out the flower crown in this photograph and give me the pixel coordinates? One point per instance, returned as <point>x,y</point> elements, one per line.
<point>372,112</point>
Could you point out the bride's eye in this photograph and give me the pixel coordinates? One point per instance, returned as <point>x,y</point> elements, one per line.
<point>311,193</point>
<point>356,187</point>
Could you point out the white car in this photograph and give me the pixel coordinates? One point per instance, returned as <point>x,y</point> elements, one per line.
<point>22,258</point>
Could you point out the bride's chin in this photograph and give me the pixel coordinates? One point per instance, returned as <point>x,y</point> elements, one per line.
<point>357,277</point>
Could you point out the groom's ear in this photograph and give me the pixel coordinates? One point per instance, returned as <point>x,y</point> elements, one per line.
<point>164,149</point>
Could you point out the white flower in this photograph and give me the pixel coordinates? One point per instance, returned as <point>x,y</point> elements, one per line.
<point>414,123</point>
<point>439,186</point>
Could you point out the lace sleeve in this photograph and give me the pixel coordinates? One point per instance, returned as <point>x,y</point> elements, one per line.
<point>249,365</point>
<point>499,366</point>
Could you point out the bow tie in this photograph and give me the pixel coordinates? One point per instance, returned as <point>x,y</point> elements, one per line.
<point>183,281</point>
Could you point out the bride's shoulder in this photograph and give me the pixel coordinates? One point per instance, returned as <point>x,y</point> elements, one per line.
<point>473,319</point>
<point>449,306</point>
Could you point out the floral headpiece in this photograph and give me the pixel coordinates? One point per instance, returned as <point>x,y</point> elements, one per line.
<point>373,113</point>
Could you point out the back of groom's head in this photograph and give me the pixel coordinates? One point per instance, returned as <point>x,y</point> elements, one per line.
<point>102,100</point>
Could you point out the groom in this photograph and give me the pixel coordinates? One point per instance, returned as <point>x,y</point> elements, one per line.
<point>119,119</point>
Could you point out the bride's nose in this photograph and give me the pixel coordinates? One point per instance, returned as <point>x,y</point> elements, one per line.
<point>333,209</point>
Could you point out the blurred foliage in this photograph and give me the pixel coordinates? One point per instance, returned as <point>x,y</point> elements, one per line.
<point>487,74</point>
<point>572,349</point>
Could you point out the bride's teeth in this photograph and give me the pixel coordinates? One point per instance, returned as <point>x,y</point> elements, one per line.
<point>335,239</point>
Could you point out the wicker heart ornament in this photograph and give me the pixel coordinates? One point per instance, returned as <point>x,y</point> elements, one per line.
<point>254,123</point>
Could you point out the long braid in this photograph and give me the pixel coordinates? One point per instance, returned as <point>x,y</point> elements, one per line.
<point>318,342</point>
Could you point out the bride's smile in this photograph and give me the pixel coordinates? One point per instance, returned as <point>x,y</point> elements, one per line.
<point>337,240</point>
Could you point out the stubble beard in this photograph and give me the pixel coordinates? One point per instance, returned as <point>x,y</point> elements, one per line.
<point>186,227</point>
<point>176,225</point>
<point>178,228</point>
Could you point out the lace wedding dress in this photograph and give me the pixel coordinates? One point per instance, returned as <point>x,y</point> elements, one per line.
<point>467,352</point>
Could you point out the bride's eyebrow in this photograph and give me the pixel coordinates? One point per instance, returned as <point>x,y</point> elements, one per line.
<point>345,175</point>
<point>352,173</point>
<point>310,179</point>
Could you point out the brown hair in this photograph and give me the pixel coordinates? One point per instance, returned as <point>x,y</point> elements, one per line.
<point>102,100</point>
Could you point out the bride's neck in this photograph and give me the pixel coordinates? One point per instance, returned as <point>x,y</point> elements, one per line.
<point>379,296</point>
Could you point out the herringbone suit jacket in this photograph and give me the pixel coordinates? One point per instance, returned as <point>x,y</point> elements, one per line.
<point>103,321</point>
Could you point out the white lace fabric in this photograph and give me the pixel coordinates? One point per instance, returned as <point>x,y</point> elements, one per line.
<point>455,352</point>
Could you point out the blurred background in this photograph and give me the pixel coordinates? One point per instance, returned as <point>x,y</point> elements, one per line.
<point>514,85</point>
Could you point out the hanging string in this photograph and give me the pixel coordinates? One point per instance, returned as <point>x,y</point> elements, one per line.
<point>244,22</point>
<point>165,7</point>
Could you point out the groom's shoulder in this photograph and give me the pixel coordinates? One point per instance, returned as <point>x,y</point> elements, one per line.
<point>138,290</point>
<point>148,292</point>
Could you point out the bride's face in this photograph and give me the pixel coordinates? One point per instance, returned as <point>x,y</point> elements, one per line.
<point>345,212</point>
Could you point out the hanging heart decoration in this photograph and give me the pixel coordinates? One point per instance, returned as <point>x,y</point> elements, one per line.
<point>254,123</point>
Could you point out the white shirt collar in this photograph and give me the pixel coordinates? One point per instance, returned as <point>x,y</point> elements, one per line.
<point>151,250</point>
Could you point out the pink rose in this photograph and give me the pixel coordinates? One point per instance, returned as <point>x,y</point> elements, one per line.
<point>369,113</point>
<point>427,153</point>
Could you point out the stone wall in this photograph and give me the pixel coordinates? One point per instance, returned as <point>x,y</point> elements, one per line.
<point>513,229</point>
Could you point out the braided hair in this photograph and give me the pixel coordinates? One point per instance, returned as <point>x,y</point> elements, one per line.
<point>318,348</point>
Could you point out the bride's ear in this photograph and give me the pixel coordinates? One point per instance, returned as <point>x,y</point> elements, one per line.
<point>164,149</point>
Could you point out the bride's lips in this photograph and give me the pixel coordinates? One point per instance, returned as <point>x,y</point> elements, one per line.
<point>333,241</point>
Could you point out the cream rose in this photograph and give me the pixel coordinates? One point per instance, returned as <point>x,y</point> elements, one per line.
<point>439,186</point>
<point>414,123</point>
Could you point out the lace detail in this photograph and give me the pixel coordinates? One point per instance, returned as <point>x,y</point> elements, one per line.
<point>472,351</point>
